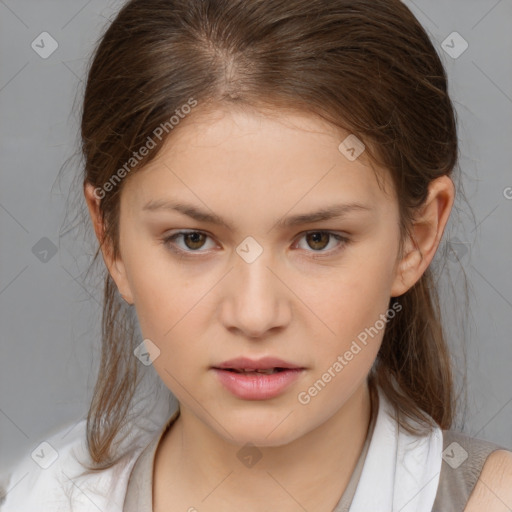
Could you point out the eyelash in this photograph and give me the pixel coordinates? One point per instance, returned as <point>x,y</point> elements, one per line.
<point>169,243</point>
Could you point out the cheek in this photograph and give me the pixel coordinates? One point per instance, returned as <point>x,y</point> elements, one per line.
<point>351,304</point>
<point>170,307</point>
<point>164,294</point>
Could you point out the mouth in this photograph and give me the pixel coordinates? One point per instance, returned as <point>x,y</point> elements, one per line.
<point>266,371</point>
<point>267,365</point>
<point>257,380</point>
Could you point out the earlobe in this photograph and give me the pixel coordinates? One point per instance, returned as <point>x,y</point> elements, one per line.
<point>114,266</point>
<point>406,271</point>
<point>118,273</point>
<point>425,235</point>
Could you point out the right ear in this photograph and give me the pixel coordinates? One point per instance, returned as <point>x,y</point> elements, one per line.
<point>115,266</point>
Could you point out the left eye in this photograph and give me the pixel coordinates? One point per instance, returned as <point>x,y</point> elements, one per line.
<point>194,240</point>
<point>318,240</point>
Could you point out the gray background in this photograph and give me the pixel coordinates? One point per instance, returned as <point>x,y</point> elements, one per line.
<point>50,313</point>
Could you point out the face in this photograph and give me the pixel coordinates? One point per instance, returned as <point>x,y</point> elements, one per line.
<point>220,260</point>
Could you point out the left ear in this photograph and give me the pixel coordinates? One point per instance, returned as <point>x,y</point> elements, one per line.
<point>426,232</point>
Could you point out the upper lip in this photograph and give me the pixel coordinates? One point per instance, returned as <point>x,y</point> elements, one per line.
<point>265,363</point>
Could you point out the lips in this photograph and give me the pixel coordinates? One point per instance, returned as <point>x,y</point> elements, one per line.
<point>261,379</point>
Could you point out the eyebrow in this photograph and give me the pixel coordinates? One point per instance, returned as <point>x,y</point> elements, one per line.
<point>329,212</point>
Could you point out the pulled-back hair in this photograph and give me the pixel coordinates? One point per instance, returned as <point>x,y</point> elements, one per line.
<point>366,66</point>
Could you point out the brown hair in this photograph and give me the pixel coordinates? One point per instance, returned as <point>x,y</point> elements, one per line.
<point>366,66</point>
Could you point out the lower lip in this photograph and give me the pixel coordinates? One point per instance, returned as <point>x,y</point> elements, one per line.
<point>257,386</point>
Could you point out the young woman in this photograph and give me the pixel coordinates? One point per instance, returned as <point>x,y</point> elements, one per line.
<point>269,182</point>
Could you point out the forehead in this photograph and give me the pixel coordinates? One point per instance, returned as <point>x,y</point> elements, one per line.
<point>259,159</point>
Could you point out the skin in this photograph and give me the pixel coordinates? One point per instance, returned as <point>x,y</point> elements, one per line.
<point>493,490</point>
<point>252,169</point>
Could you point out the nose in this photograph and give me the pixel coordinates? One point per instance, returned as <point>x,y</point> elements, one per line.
<point>255,299</point>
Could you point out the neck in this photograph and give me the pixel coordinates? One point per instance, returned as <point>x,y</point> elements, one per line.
<point>196,462</point>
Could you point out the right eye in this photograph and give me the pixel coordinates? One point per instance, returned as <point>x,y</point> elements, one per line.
<point>193,241</point>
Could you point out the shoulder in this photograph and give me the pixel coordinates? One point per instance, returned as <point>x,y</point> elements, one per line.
<point>493,489</point>
<point>466,462</point>
<point>50,476</point>
<point>36,477</point>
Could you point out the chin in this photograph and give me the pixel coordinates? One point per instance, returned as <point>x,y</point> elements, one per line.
<point>260,430</point>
